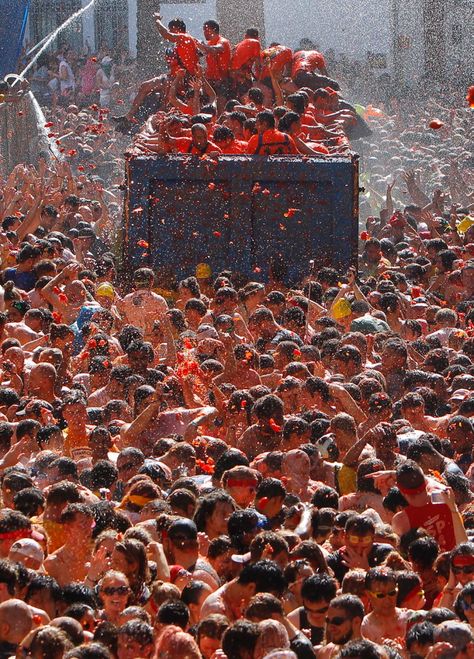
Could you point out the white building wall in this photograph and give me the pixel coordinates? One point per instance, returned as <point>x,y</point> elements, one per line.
<point>349,26</point>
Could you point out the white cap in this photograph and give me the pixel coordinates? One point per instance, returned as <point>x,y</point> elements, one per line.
<point>28,547</point>
<point>106,60</point>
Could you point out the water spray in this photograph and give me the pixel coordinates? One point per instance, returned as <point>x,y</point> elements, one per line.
<point>53,36</point>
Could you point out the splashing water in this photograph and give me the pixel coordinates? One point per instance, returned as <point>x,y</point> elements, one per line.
<point>40,121</point>
<point>53,36</point>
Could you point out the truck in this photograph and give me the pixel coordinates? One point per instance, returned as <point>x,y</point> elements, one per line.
<point>260,217</point>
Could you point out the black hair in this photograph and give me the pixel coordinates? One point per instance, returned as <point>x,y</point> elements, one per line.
<point>266,575</point>
<point>174,612</point>
<point>319,587</point>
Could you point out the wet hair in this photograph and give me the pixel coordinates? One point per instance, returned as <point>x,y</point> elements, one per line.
<point>319,587</point>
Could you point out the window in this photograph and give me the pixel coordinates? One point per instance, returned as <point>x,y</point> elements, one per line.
<point>47,15</point>
<point>111,25</point>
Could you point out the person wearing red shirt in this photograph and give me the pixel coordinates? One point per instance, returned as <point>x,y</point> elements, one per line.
<point>278,58</point>
<point>433,510</point>
<point>245,55</point>
<point>225,140</point>
<point>269,141</point>
<point>184,55</point>
<point>309,70</point>
<point>186,51</point>
<point>291,124</point>
<point>218,55</point>
<point>198,144</point>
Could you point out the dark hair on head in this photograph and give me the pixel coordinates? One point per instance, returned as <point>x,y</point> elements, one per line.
<point>177,25</point>
<point>206,506</point>
<point>286,122</point>
<point>230,458</point>
<point>79,593</point>
<point>240,639</point>
<point>266,575</point>
<point>407,581</point>
<point>351,604</point>
<point>213,626</point>
<point>423,552</point>
<point>319,587</point>
<point>460,602</point>
<point>29,501</point>
<point>439,615</point>
<point>219,546</point>
<point>90,651</point>
<point>212,25</point>
<point>381,574</point>
<point>422,633</point>
<point>266,117</point>
<point>325,497</point>
<point>394,499</point>
<point>252,33</point>
<point>174,612</point>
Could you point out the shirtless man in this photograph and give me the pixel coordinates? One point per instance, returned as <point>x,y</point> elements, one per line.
<point>385,621</point>
<point>71,561</point>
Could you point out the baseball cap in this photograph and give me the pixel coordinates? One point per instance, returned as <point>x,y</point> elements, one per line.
<point>203,271</point>
<point>105,290</point>
<point>28,547</point>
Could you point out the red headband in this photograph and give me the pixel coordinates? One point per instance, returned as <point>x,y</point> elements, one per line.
<point>412,491</point>
<point>15,535</point>
<point>463,560</point>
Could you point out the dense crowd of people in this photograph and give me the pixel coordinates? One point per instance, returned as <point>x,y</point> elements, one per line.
<point>219,468</point>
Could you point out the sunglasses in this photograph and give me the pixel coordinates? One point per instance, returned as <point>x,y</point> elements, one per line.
<point>465,569</point>
<point>380,596</point>
<point>358,540</point>
<point>337,621</point>
<point>467,606</point>
<point>115,590</point>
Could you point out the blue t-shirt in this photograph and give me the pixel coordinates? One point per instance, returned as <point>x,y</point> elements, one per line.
<point>24,280</point>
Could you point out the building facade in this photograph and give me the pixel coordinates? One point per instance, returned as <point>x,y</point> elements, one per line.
<point>417,37</point>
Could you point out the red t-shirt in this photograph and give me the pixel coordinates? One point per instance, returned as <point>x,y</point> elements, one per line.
<point>271,142</point>
<point>245,53</point>
<point>218,63</point>
<point>237,146</point>
<point>185,145</point>
<point>187,53</point>
<point>437,520</point>
<point>279,56</point>
<point>307,60</point>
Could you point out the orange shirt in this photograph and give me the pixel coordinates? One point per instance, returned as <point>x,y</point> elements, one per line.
<point>237,146</point>
<point>245,53</point>
<point>185,145</point>
<point>218,63</point>
<point>307,60</point>
<point>271,142</point>
<point>279,56</point>
<point>187,53</point>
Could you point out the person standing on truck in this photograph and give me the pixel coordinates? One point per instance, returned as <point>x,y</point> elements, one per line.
<point>185,50</point>
<point>245,55</point>
<point>269,141</point>
<point>184,55</point>
<point>218,55</point>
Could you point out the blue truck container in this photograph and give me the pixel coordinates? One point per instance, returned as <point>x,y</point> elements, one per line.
<point>244,213</point>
